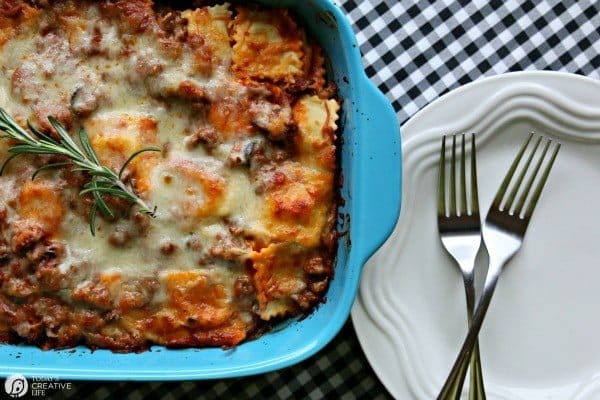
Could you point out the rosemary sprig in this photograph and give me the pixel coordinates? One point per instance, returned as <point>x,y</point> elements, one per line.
<point>104,181</point>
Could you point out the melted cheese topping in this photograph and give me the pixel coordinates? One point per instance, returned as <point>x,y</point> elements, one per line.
<point>243,187</point>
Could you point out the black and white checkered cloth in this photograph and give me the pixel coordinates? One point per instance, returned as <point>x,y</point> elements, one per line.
<point>415,51</point>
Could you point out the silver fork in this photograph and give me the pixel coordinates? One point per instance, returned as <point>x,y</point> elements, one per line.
<point>503,232</point>
<point>460,232</point>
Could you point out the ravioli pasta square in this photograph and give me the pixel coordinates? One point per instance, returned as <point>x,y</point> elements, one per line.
<point>193,200</point>
<point>211,24</point>
<point>268,44</point>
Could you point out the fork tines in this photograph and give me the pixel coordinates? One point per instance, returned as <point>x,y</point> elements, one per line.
<point>521,199</point>
<point>468,204</point>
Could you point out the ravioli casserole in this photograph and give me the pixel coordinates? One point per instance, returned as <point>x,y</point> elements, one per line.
<point>243,187</point>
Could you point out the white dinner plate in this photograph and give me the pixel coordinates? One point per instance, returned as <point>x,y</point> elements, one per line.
<point>541,336</point>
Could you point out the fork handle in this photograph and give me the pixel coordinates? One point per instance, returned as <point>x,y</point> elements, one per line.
<point>476,386</point>
<point>454,383</point>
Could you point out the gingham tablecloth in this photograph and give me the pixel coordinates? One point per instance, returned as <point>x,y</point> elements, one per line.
<point>415,51</point>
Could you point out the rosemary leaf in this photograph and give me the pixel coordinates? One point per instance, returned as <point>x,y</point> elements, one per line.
<point>87,146</point>
<point>93,219</point>
<point>101,204</point>
<point>6,162</point>
<point>137,153</point>
<point>117,192</point>
<point>37,133</point>
<point>47,167</point>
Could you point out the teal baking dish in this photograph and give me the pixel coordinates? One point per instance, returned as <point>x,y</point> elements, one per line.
<point>371,170</point>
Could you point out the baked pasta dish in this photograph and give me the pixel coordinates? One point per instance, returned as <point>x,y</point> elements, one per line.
<point>168,177</point>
